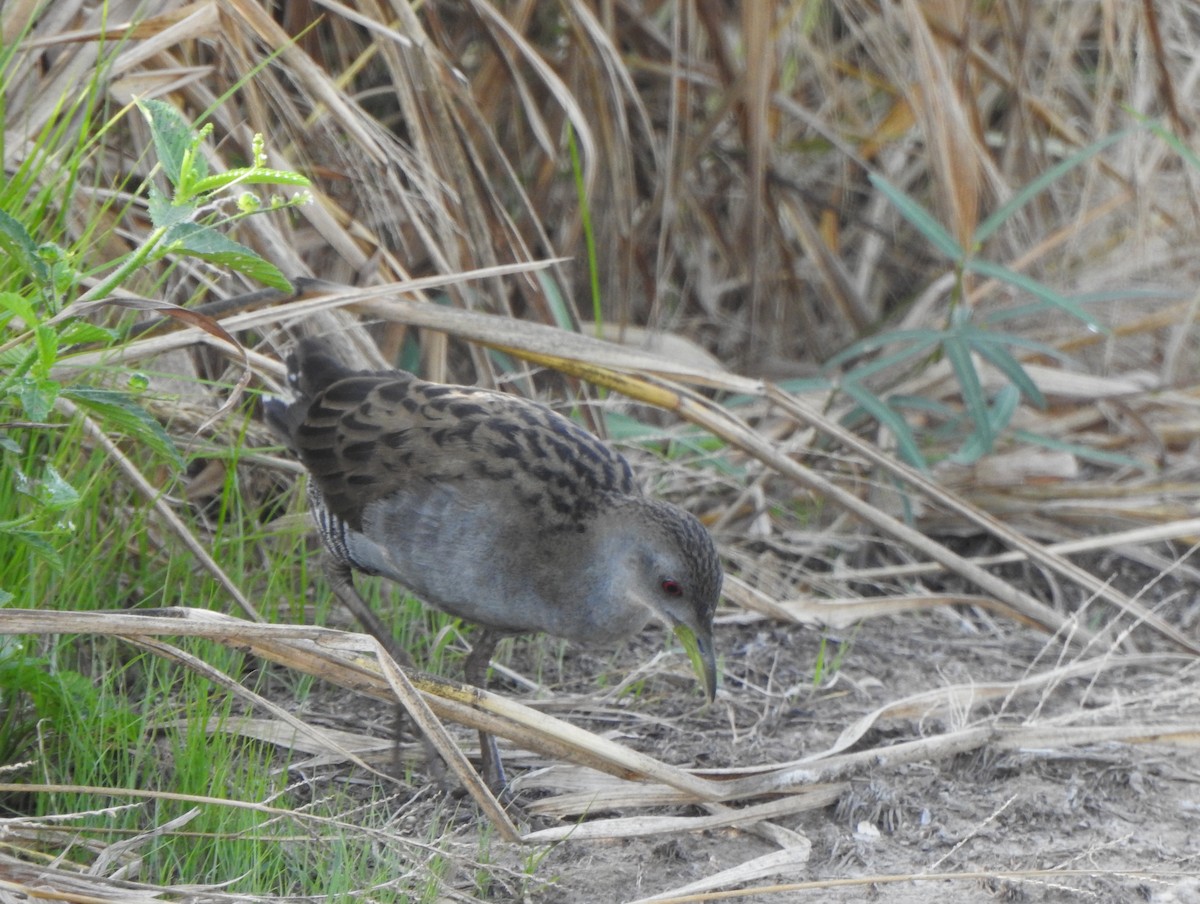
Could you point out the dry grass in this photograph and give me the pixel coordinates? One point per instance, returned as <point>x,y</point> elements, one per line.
<point>724,158</point>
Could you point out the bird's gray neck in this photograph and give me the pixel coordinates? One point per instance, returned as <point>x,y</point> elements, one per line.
<point>614,546</point>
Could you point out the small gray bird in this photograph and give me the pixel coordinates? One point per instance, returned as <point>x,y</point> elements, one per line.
<point>492,508</point>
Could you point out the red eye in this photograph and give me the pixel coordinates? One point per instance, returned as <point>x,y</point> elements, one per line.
<point>671,587</point>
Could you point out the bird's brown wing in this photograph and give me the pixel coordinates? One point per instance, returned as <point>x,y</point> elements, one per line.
<point>367,436</point>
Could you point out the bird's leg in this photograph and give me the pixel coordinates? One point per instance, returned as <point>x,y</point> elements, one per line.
<point>475,670</point>
<point>341,581</point>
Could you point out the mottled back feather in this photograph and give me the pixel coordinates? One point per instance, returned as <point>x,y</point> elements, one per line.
<point>365,435</point>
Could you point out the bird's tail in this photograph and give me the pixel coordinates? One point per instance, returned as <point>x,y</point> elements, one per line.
<point>311,369</point>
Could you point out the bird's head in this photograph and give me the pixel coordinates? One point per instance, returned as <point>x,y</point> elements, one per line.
<point>677,575</point>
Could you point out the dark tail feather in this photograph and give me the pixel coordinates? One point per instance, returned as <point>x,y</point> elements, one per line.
<point>284,417</point>
<point>312,369</point>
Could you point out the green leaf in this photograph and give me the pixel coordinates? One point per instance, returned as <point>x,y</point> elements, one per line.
<point>164,214</point>
<point>974,334</point>
<point>1031,190</point>
<point>17,243</point>
<point>1004,362</point>
<point>998,416</point>
<point>47,348</point>
<point>54,492</point>
<point>19,306</point>
<point>864,371</point>
<point>174,138</point>
<point>36,396</point>
<point>64,277</point>
<point>207,244</point>
<point>1082,299</point>
<point>1034,288</point>
<point>920,403</point>
<point>921,218</point>
<point>1088,453</point>
<point>79,332</point>
<point>118,410</point>
<point>871,343</point>
<point>560,308</point>
<point>878,409</point>
<point>958,353</point>
<point>37,544</point>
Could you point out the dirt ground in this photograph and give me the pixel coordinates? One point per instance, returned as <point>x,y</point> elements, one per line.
<point>1059,820</point>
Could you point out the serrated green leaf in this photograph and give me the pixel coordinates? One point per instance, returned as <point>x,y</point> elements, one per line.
<point>173,138</point>
<point>64,277</point>
<point>37,544</point>
<point>207,244</point>
<point>78,332</point>
<point>119,411</point>
<point>19,306</point>
<point>18,244</point>
<point>164,214</point>
<point>247,175</point>
<point>54,492</point>
<point>922,219</point>
<point>47,348</point>
<point>36,396</point>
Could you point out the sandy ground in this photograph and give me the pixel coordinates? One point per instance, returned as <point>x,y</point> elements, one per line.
<point>1059,820</point>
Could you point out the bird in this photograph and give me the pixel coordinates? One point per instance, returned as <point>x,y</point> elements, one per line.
<point>492,508</point>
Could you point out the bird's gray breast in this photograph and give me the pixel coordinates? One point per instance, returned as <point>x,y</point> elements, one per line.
<point>473,550</point>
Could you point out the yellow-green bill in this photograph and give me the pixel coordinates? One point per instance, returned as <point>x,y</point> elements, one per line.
<point>704,661</point>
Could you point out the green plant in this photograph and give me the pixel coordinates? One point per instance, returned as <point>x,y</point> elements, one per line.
<point>74,534</point>
<point>828,664</point>
<point>29,692</point>
<point>42,315</point>
<point>966,336</point>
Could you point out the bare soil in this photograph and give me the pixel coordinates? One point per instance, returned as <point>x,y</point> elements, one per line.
<point>1110,821</point>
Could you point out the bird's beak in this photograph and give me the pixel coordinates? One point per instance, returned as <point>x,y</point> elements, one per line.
<point>699,648</point>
